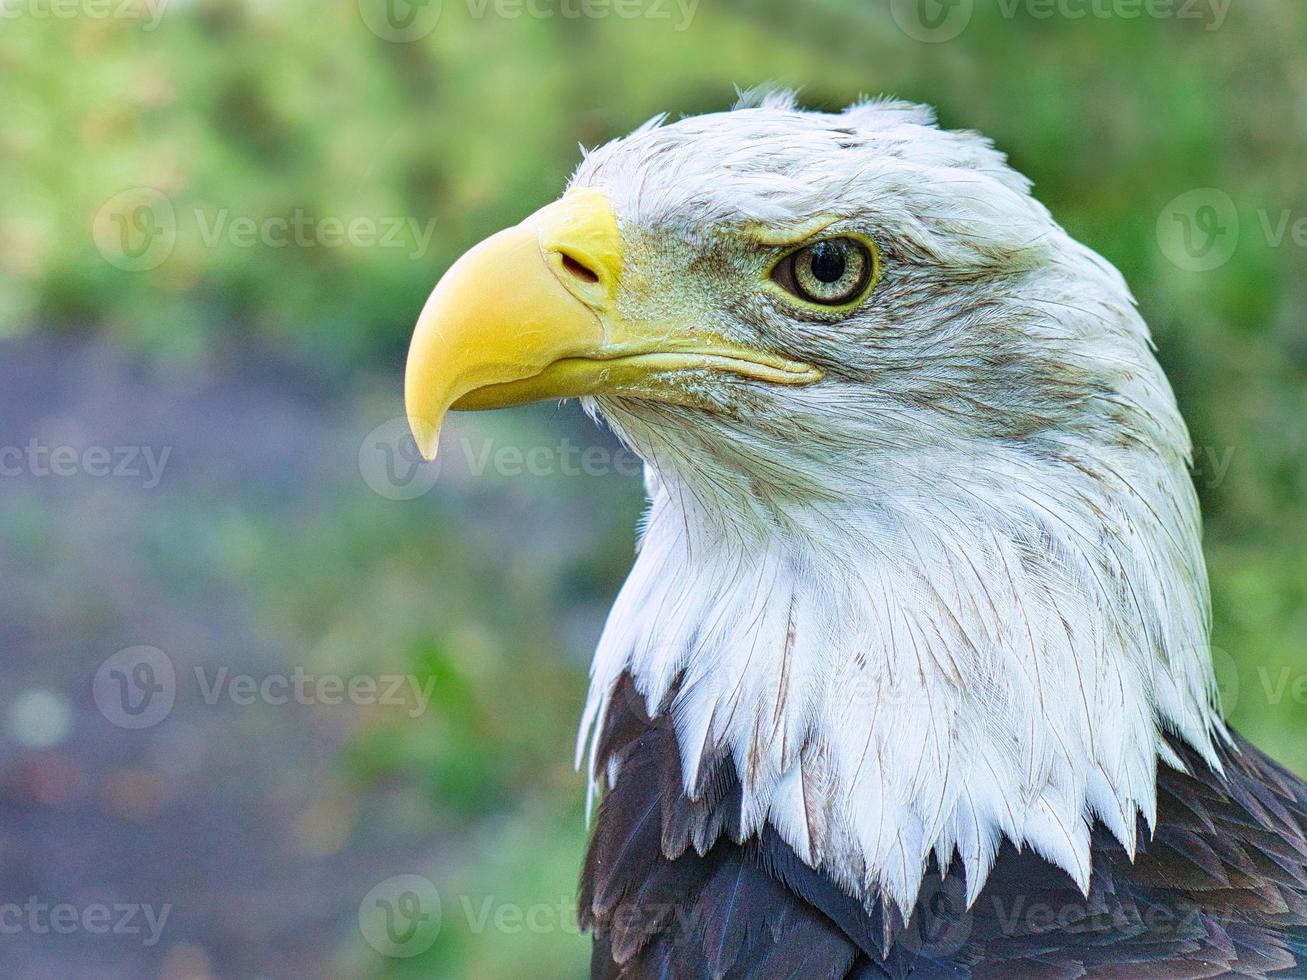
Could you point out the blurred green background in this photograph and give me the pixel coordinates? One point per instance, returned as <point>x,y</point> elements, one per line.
<point>218,221</point>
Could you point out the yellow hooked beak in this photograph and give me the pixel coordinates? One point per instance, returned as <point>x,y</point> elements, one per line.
<point>531,313</point>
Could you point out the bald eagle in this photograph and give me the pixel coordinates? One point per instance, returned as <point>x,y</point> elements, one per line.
<point>911,676</point>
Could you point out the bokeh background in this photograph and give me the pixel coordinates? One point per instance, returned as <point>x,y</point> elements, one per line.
<point>218,221</point>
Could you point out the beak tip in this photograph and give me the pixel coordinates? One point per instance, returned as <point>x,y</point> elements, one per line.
<point>426,437</point>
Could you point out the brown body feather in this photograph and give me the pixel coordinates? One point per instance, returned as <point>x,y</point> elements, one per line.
<point>670,891</point>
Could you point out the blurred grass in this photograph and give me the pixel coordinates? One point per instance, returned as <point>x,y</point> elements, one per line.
<point>254,110</point>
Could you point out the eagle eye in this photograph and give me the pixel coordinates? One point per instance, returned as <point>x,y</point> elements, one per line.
<point>832,272</point>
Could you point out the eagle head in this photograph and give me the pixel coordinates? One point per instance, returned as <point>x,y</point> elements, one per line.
<point>922,554</point>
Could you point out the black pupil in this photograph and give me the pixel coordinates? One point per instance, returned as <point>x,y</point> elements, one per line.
<point>828,262</point>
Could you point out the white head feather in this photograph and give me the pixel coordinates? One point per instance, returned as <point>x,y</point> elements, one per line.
<point>955,591</point>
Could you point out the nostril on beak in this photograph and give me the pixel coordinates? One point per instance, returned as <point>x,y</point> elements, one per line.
<point>579,270</point>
